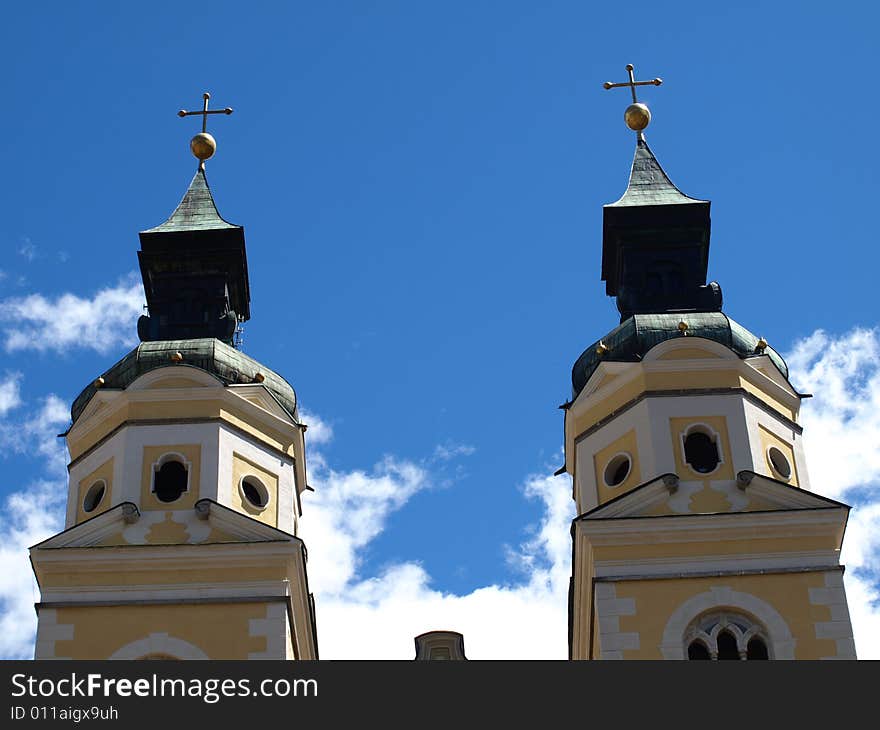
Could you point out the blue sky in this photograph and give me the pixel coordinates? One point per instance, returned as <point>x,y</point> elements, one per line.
<point>421,187</point>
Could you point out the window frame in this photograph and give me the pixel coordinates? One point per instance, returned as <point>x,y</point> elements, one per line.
<point>714,437</point>
<point>261,487</point>
<point>165,458</point>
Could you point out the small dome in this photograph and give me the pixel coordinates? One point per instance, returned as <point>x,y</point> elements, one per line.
<point>637,335</point>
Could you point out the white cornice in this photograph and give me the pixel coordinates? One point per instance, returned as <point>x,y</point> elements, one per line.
<point>94,530</point>
<point>165,591</point>
<point>639,499</point>
<point>782,494</point>
<point>739,562</point>
<point>129,560</point>
<point>714,527</point>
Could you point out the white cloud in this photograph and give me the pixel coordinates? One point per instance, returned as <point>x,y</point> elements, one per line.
<point>842,420</point>
<point>378,616</point>
<point>29,515</point>
<point>10,393</point>
<point>451,450</point>
<point>319,431</point>
<point>38,434</point>
<point>347,511</point>
<point>108,319</point>
<point>27,250</point>
<point>842,444</point>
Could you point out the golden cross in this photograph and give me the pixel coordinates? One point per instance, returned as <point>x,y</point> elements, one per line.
<point>632,83</point>
<point>205,112</point>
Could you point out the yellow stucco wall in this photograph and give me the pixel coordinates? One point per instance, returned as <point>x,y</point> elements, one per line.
<point>763,395</point>
<point>242,467</point>
<point>129,575</point>
<point>625,444</point>
<point>169,532</point>
<point>689,353</point>
<point>176,382</point>
<point>787,593</point>
<point>710,501</point>
<point>103,473</point>
<point>751,543</point>
<point>222,631</point>
<point>769,439</point>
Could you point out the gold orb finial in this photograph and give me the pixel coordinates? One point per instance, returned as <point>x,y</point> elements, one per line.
<point>203,146</point>
<point>601,349</point>
<point>683,327</point>
<point>761,345</point>
<point>637,116</point>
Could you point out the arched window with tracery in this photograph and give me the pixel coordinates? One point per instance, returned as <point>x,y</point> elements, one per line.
<point>726,635</point>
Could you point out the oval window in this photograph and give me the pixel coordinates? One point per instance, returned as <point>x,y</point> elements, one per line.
<point>779,463</point>
<point>617,470</point>
<point>254,492</point>
<point>94,495</point>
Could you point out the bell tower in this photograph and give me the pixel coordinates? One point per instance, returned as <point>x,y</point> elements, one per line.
<point>187,462</point>
<point>697,535</point>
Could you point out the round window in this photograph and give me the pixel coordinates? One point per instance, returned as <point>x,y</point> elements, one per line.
<point>779,463</point>
<point>617,470</point>
<point>94,495</point>
<point>254,492</point>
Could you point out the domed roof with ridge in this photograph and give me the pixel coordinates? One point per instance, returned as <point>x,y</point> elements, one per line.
<point>636,336</point>
<point>223,361</point>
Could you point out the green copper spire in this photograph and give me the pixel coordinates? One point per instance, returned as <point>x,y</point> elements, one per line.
<point>649,184</point>
<point>196,212</point>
